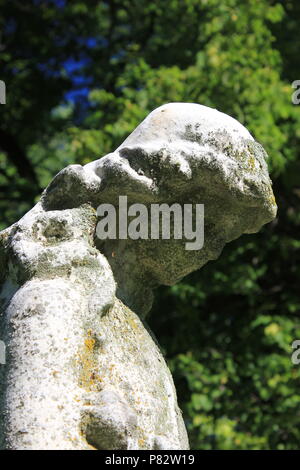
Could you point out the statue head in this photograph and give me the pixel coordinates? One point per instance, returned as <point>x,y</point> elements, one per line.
<point>182,153</point>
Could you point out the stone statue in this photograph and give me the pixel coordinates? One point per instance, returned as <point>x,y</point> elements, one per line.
<point>82,369</point>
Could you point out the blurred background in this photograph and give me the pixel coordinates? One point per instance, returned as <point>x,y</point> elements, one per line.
<point>80,75</point>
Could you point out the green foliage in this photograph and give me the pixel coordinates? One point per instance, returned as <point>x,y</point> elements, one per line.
<point>227,330</point>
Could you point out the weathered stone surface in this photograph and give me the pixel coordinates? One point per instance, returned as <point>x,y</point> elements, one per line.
<point>82,370</point>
